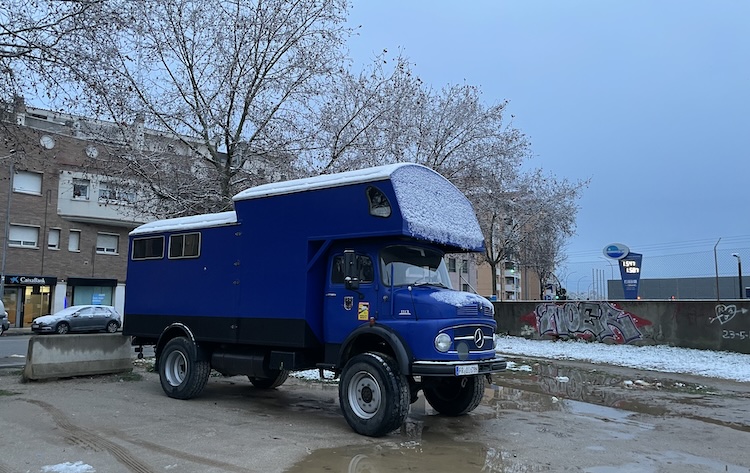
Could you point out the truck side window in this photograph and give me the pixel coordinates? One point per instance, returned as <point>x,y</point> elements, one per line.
<point>148,248</point>
<point>184,246</point>
<point>366,272</point>
<point>379,205</point>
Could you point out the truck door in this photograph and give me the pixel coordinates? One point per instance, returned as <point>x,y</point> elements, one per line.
<point>347,308</point>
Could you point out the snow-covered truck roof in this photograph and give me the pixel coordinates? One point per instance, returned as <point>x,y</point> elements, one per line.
<point>428,205</point>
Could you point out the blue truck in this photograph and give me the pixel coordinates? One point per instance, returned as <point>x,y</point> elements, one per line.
<point>342,272</point>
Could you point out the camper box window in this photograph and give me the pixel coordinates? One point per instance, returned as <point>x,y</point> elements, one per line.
<point>186,245</point>
<point>148,248</point>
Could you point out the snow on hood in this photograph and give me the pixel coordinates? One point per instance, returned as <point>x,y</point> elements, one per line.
<point>47,319</point>
<point>460,299</point>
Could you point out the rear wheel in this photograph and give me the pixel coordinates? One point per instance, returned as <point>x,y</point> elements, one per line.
<point>373,395</point>
<point>62,328</point>
<point>454,396</point>
<point>277,379</point>
<point>183,369</point>
<point>112,326</point>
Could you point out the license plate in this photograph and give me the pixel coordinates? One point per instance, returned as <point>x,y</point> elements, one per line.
<point>465,370</point>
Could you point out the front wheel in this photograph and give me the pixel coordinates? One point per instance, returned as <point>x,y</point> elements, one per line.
<point>62,328</point>
<point>277,379</point>
<point>374,396</point>
<point>454,396</point>
<point>183,369</point>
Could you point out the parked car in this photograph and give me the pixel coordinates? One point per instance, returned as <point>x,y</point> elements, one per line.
<point>4,324</point>
<point>79,318</point>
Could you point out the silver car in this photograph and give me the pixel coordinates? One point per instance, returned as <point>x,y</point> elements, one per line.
<point>79,318</point>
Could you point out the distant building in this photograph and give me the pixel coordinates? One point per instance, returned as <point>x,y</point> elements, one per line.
<point>67,229</point>
<point>680,288</point>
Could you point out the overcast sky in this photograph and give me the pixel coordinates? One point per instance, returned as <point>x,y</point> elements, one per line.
<point>648,99</point>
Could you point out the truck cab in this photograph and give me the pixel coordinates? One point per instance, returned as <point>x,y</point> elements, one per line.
<point>344,272</point>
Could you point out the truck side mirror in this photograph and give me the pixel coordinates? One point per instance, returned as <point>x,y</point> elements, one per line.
<point>351,270</point>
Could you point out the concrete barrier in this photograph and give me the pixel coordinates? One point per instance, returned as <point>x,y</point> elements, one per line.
<point>64,356</point>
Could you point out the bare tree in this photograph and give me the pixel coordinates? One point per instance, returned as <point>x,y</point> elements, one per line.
<point>40,38</point>
<point>226,80</point>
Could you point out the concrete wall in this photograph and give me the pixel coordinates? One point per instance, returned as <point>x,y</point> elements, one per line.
<point>64,356</point>
<point>710,325</point>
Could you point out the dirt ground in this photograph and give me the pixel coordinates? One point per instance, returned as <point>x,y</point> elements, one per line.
<point>544,417</point>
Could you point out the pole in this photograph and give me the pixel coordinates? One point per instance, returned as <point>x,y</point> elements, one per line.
<point>7,231</point>
<point>739,271</point>
<point>716,263</point>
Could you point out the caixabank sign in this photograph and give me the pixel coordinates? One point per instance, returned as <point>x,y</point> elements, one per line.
<point>630,267</point>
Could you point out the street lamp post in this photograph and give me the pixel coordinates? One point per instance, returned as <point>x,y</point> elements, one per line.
<point>739,271</point>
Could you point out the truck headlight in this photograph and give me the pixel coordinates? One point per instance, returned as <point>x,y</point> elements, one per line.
<point>442,342</point>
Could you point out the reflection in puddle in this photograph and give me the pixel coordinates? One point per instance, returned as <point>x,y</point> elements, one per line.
<point>431,453</point>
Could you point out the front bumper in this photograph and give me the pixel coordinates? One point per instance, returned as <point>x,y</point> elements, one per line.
<point>458,368</point>
<point>42,328</point>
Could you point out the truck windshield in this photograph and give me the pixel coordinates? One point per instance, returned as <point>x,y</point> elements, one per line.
<point>413,265</point>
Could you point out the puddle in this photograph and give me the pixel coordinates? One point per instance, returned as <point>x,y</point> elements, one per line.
<point>428,454</point>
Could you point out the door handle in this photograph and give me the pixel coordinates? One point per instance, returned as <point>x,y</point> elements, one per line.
<point>330,294</point>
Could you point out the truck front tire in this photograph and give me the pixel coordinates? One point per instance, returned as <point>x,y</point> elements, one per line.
<point>374,396</point>
<point>454,396</point>
<point>183,370</point>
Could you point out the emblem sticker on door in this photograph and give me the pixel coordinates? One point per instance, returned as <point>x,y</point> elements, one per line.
<point>363,311</point>
<point>348,302</point>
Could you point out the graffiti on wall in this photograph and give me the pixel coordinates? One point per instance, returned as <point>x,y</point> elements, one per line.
<point>600,321</point>
<point>725,313</point>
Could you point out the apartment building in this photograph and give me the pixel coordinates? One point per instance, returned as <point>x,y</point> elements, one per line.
<point>65,238</point>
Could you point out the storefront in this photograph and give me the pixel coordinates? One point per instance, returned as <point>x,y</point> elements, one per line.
<point>83,291</point>
<point>27,297</point>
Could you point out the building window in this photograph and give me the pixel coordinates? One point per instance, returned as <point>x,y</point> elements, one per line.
<point>112,192</point>
<point>452,265</point>
<point>81,189</point>
<point>184,246</point>
<point>74,240</point>
<point>53,239</point>
<point>465,266</point>
<point>148,248</point>
<point>106,243</point>
<point>465,287</point>
<point>27,182</point>
<point>23,236</point>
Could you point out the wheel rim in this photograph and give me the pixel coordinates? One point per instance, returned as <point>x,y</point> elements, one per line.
<point>364,395</point>
<point>112,327</point>
<point>62,329</point>
<point>175,368</point>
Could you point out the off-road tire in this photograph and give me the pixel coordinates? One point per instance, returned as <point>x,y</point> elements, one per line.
<point>373,395</point>
<point>277,379</point>
<point>454,396</point>
<point>183,368</point>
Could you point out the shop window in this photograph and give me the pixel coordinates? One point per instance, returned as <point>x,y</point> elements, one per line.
<point>148,248</point>
<point>27,182</point>
<point>23,236</point>
<point>74,240</point>
<point>184,246</point>
<point>81,189</point>
<point>106,243</point>
<point>53,239</point>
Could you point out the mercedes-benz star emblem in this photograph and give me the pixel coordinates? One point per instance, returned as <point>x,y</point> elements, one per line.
<point>479,338</point>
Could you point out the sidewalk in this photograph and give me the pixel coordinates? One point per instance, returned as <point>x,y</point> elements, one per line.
<point>18,331</point>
